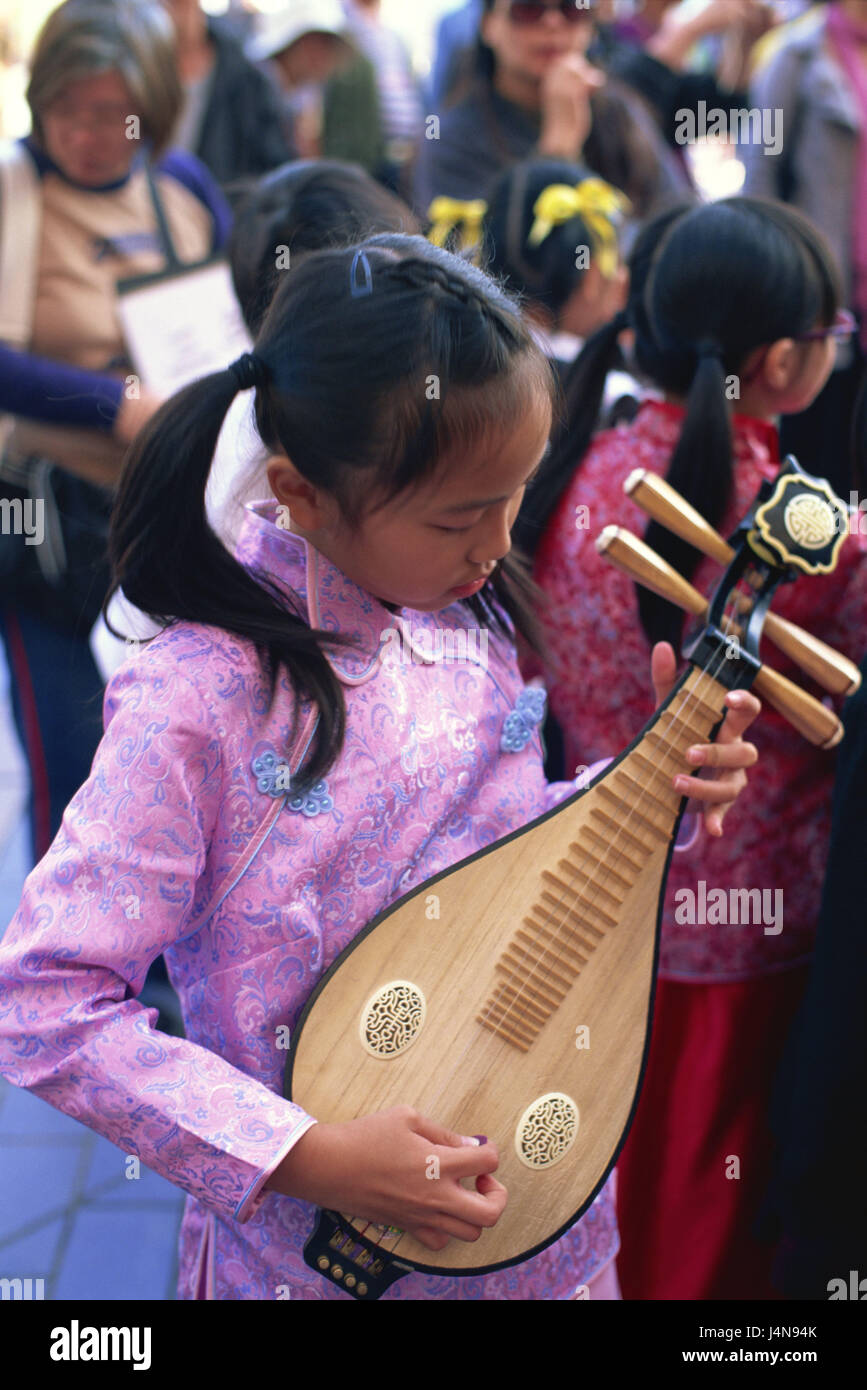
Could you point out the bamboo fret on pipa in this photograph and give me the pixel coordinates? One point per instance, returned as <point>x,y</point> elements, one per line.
<point>551,931</point>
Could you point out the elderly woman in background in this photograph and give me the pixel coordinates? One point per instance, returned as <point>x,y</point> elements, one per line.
<point>89,198</point>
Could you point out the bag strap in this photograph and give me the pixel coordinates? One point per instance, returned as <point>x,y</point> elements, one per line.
<point>20,225</point>
<point>173,261</point>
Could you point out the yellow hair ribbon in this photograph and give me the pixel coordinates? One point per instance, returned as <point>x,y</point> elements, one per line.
<point>448,213</point>
<point>596,202</point>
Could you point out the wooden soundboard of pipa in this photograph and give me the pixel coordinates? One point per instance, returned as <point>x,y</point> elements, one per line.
<point>479,1061</point>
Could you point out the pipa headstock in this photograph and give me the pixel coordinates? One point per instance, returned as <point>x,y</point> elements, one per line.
<point>797,525</point>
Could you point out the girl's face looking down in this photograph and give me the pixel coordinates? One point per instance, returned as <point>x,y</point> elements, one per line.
<point>439,542</point>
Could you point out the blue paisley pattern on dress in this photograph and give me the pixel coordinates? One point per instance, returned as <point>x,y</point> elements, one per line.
<point>154,857</point>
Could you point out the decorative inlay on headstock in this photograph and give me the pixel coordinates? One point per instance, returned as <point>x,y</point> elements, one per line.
<point>802,524</point>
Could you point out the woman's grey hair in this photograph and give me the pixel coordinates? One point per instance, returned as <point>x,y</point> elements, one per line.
<point>82,38</point>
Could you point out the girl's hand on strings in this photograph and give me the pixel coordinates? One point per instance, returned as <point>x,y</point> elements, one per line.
<point>397,1168</point>
<point>729,753</point>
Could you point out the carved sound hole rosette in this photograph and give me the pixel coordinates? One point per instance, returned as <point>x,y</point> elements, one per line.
<point>392,1019</point>
<point>546,1130</point>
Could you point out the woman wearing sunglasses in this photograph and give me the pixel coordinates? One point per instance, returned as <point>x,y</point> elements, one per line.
<point>532,91</point>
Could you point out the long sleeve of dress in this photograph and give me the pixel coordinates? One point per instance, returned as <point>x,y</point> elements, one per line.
<point>72,960</point>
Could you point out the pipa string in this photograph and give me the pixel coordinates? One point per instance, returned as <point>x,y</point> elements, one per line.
<point>551,954</point>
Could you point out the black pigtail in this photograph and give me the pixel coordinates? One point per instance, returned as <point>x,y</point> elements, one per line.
<point>858,442</point>
<point>172,565</point>
<point>701,466</point>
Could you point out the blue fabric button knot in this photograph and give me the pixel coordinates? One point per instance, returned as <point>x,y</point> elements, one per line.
<point>313,802</point>
<point>274,778</point>
<point>521,721</point>
<point>269,772</point>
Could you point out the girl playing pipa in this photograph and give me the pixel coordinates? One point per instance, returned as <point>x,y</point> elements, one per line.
<point>331,716</point>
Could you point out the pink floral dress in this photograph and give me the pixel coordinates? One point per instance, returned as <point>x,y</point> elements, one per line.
<point>182,843</point>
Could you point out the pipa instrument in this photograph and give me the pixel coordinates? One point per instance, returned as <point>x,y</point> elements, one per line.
<point>525,1013</point>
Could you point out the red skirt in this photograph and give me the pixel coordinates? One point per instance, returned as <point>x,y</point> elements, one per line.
<point>695,1166</point>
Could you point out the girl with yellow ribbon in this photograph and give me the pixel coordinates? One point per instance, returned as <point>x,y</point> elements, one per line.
<point>554,236</point>
<point>448,215</point>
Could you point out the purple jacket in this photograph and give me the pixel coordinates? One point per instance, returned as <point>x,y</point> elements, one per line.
<point>182,842</point>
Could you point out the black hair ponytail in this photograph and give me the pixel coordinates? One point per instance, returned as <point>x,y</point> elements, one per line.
<point>727,278</point>
<point>858,442</point>
<point>583,390</point>
<point>701,466</point>
<point>172,565</point>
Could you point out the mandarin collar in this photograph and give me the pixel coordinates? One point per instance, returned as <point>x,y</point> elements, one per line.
<point>327,599</point>
<point>760,438</point>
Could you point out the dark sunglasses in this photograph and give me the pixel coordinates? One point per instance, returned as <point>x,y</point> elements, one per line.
<point>525,12</point>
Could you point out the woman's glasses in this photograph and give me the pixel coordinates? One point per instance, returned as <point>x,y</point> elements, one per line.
<point>101,117</point>
<point>844,326</point>
<point>525,12</point>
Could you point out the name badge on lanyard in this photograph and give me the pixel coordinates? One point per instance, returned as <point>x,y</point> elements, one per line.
<point>183,322</point>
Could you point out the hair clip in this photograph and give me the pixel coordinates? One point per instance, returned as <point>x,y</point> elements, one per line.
<point>359,291</point>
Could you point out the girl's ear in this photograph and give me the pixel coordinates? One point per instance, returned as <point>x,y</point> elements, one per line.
<point>781,364</point>
<point>309,507</point>
<point>596,300</point>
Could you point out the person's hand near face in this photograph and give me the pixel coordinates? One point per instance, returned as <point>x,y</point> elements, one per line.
<point>567,117</point>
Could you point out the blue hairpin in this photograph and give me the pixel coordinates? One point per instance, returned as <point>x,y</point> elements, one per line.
<point>359,291</point>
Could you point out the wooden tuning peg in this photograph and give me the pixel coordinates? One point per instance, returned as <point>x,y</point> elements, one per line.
<point>631,555</point>
<point>656,497</point>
